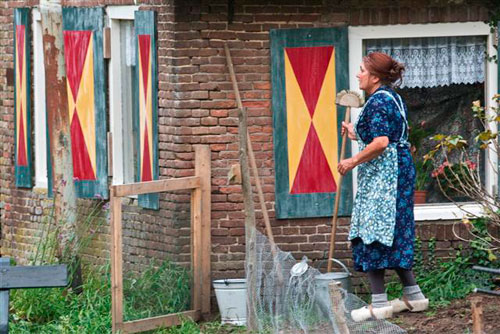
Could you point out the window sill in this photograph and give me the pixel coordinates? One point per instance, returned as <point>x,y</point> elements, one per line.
<point>449,211</point>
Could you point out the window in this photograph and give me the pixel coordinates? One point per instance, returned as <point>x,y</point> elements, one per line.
<point>40,115</point>
<point>358,38</point>
<point>121,83</point>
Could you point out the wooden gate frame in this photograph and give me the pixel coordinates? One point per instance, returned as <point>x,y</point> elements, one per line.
<point>200,186</point>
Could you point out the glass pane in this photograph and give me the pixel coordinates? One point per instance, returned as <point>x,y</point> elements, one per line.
<point>446,110</point>
<point>128,98</point>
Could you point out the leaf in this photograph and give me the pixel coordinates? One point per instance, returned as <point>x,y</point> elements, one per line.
<point>486,135</point>
<point>492,257</point>
<point>438,137</point>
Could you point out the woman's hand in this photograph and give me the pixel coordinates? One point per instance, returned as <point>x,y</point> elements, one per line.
<point>346,165</point>
<point>349,127</point>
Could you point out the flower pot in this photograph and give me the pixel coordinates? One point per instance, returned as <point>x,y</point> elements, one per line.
<point>420,196</point>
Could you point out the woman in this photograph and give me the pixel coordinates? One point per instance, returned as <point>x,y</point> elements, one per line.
<point>382,225</point>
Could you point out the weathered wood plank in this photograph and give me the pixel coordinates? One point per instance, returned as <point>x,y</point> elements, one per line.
<point>157,186</point>
<point>33,277</point>
<point>146,102</point>
<point>477,316</point>
<point>202,169</point>
<point>22,100</point>
<point>196,247</point>
<point>116,262</point>
<point>155,322</point>
<point>77,22</point>
<point>4,301</point>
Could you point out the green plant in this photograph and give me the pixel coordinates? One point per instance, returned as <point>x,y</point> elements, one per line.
<point>454,278</point>
<point>52,249</point>
<point>452,176</point>
<point>65,311</point>
<point>418,134</point>
<point>423,174</point>
<point>459,176</point>
<point>159,290</point>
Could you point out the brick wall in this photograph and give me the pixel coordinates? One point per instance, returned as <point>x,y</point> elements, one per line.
<point>196,106</point>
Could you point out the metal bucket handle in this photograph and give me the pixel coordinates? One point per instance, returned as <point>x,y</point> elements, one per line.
<point>342,265</point>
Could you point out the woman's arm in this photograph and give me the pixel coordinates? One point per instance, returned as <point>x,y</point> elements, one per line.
<point>371,151</point>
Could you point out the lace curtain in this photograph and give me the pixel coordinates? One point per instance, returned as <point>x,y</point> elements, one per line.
<point>436,61</point>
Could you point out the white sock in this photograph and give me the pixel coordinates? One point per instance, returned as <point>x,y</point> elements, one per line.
<point>413,292</point>
<point>380,300</point>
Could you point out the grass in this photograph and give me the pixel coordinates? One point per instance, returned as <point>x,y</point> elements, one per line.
<point>63,311</point>
<point>157,291</point>
<point>160,289</point>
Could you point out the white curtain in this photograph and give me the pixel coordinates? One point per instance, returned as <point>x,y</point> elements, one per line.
<point>436,61</point>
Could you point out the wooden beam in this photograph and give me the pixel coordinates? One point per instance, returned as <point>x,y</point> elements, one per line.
<point>337,306</point>
<point>33,277</point>
<point>202,169</point>
<point>196,247</point>
<point>139,188</point>
<point>155,322</point>
<point>477,316</point>
<point>250,228</point>
<point>4,301</point>
<point>116,262</point>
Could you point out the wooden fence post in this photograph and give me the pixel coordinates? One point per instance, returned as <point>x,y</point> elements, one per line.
<point>196,212</point>
<point>116,262</point>
<point>4,301</point>
<point>202,169</point>
<point>246,185</point>
<point>477,315</point>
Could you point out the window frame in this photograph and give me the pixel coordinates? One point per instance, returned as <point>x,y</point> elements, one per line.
<point>116,124</point>
<point>357,34</point>
<point>39,105</point>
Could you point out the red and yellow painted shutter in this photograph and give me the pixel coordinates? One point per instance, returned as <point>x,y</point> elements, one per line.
<point>309,67</point>
<point>146,109</point>
<point>22,98</point>
<point>82,30</point>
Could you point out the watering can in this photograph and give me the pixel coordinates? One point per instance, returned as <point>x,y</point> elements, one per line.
<point>344,277</point>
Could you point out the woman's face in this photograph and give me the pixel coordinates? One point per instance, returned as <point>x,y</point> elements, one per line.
<point>367,81</point>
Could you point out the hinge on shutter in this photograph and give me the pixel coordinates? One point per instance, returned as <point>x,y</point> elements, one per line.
<point>110,154</point>
<point>106,42</point>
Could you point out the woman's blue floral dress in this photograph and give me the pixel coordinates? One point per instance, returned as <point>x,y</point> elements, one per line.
<point>383,230</point>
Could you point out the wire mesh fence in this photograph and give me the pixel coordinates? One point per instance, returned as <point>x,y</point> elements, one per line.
<point>292,303</point>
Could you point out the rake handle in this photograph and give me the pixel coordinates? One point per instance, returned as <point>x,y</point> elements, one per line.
<point>337,197</point>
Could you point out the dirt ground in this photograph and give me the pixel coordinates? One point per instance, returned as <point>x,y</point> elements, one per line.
<point>455,318</point>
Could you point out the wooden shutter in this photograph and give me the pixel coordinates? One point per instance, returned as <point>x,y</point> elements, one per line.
<point>85,72</point>
<point>22,97</point>
<point>146,103</point>
<point>309,67</point>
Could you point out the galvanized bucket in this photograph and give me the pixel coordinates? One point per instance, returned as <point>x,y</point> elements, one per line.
<point>232,300</point>
<point>344,277</point>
